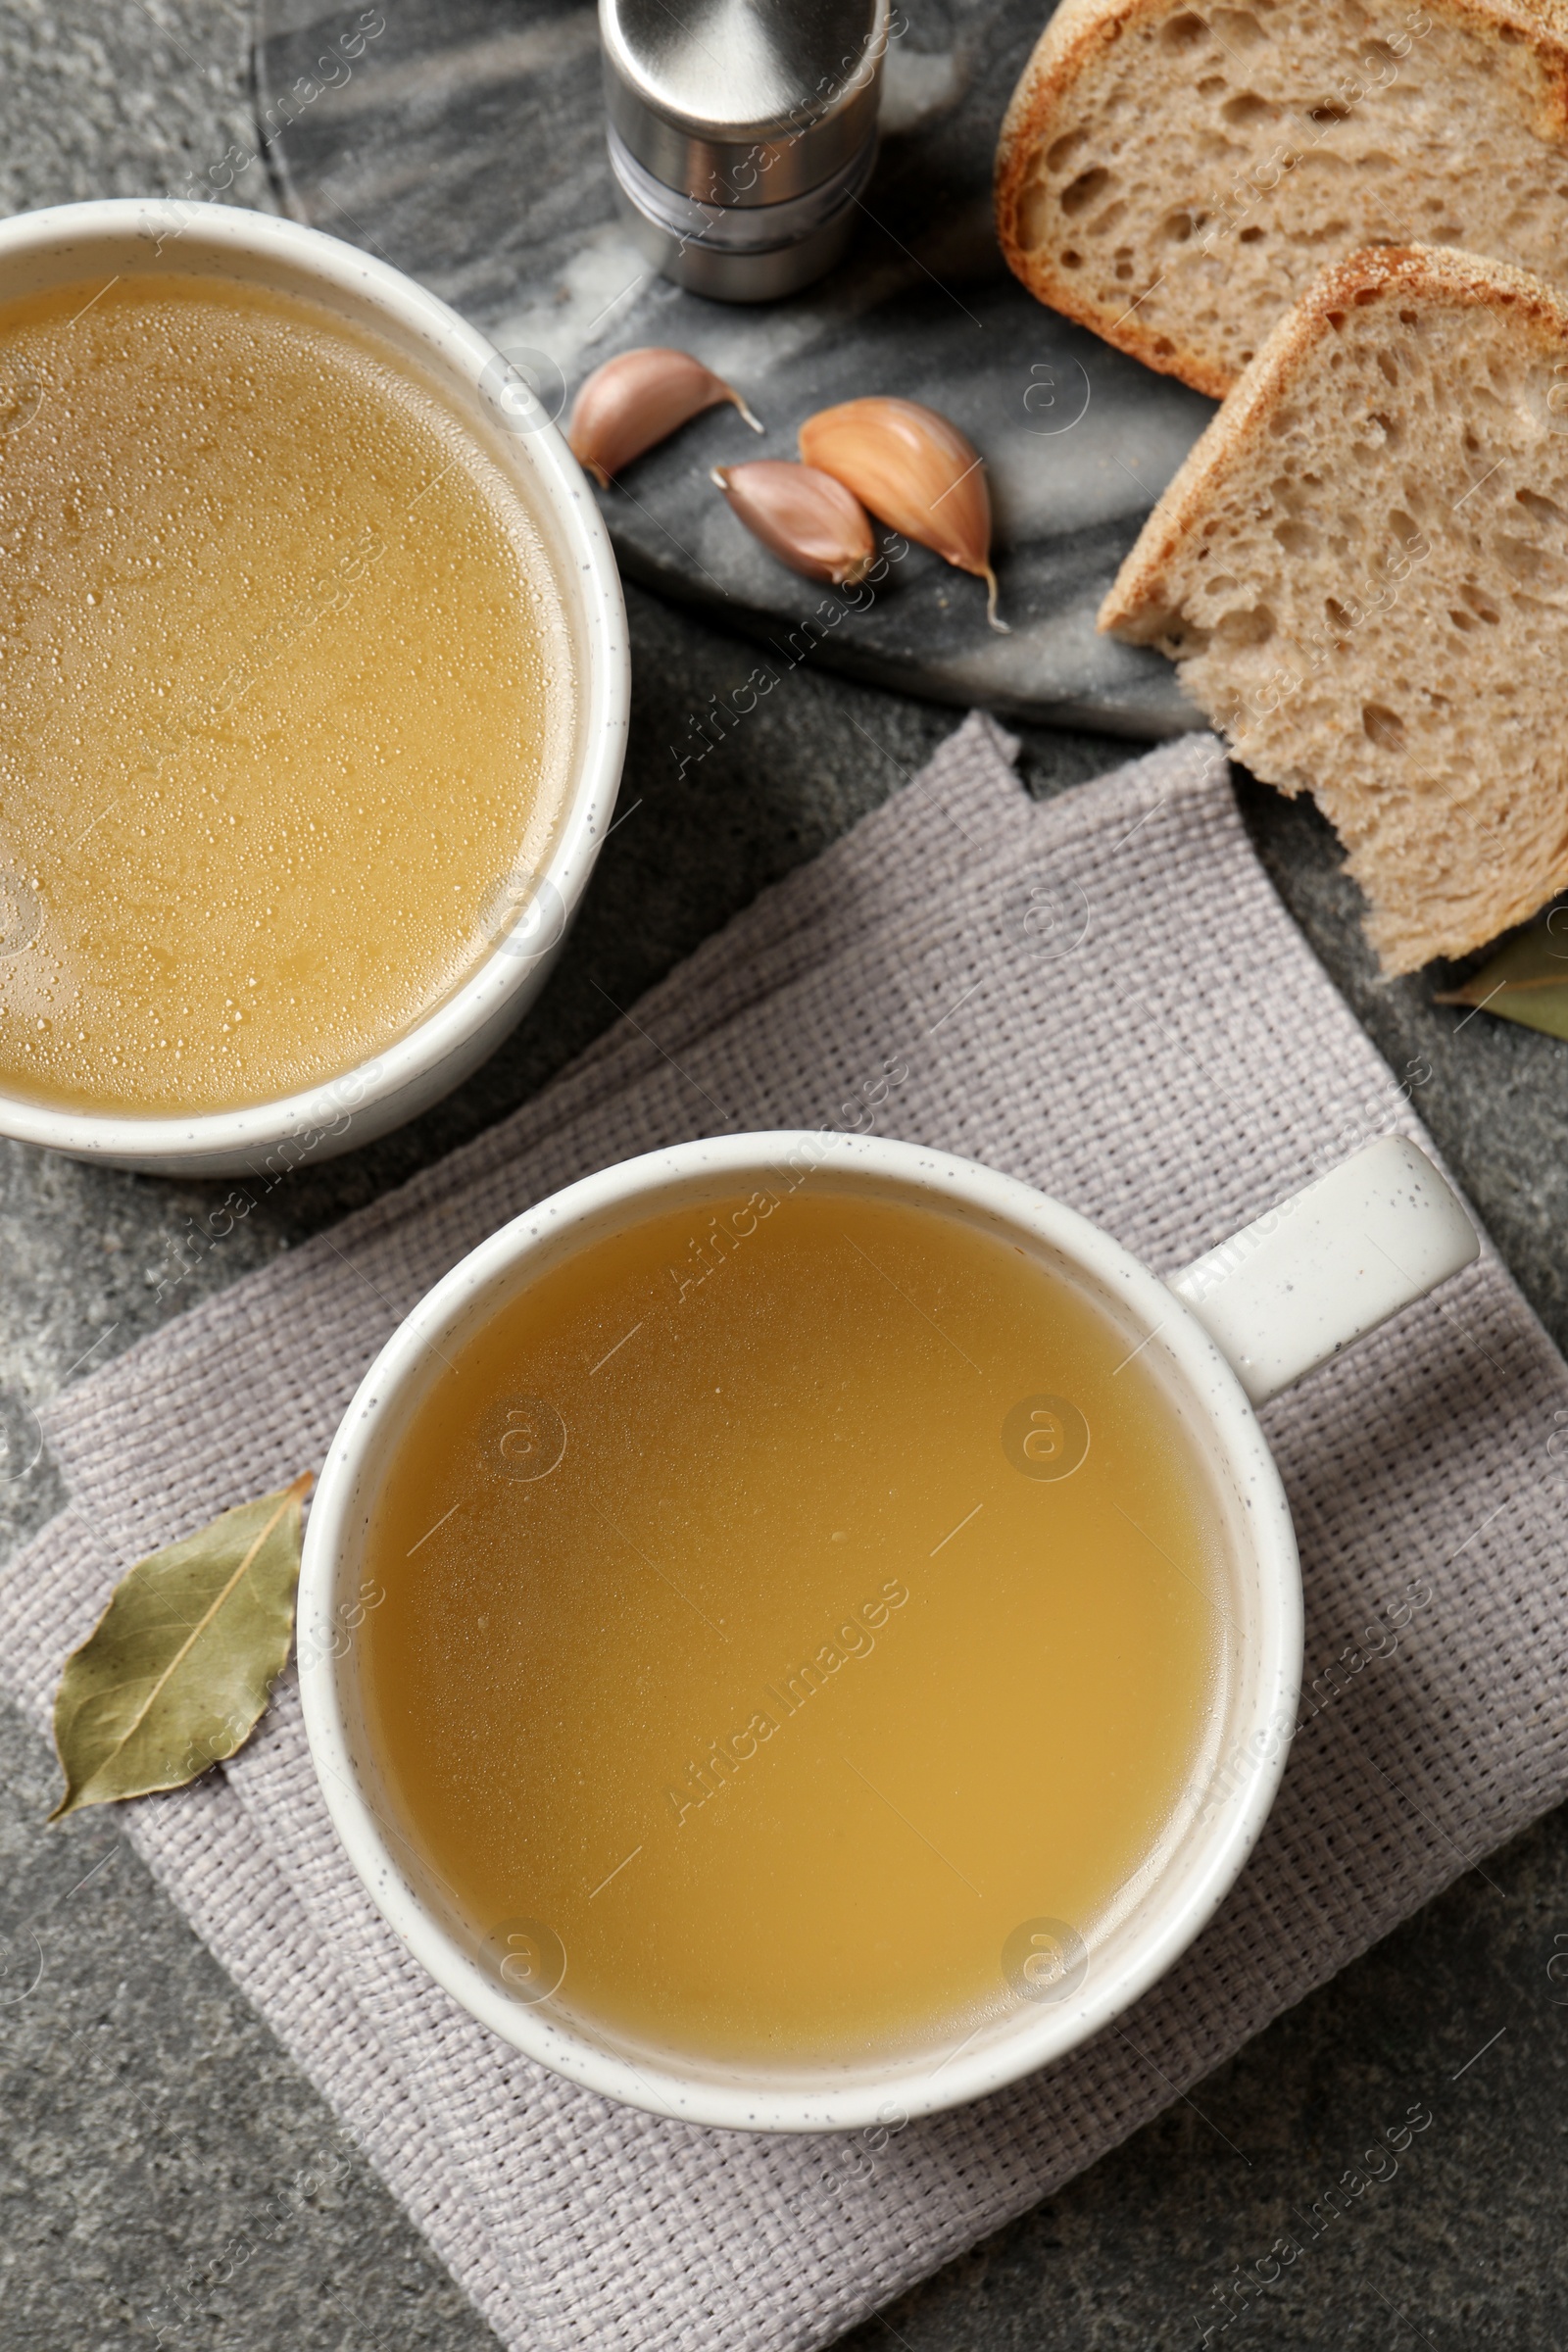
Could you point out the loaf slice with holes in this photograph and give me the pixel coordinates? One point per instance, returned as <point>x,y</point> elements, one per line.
<point>1362,572</point>
<point>1173,176</point>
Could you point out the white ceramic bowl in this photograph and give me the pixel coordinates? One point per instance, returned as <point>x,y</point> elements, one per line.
<point>72,241</point>
<point>1286,1296</point>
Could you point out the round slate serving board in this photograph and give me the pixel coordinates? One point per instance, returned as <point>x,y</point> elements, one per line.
<point>464,141</point>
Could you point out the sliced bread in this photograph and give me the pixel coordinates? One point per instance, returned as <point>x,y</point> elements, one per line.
<point>1362,570</point>
<point>1173,176</point>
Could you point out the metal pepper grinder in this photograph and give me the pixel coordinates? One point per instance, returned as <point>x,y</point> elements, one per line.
<point>742,133</point>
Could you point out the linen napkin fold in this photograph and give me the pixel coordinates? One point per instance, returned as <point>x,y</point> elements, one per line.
<point>1102,996</point>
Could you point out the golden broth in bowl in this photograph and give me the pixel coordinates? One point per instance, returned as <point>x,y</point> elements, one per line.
<point>790,1627</point>
<point>286,695</point>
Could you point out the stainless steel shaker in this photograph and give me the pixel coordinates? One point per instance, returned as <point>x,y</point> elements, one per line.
<point>742,133</point>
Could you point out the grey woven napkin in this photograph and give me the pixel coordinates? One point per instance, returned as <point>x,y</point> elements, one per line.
<point>1102,996</point>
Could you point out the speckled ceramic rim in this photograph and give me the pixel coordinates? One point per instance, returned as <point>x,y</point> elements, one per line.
<point>48,248</point>
<point>1263,1641</point>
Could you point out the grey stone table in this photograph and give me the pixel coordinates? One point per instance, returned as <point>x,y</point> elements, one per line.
<point>148,2119</point>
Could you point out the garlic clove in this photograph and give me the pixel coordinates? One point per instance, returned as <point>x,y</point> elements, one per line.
<point>804,517</point>
<point>916,472</point>
<point>635,400</point>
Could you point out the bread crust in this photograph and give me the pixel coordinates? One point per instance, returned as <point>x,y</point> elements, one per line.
<point>1150,601</point>
<point>1139,599</point>
<point>1082,31</point>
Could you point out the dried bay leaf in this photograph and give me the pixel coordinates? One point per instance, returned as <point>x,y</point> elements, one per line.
<point>178,1667</point>
<point>1527,982</point>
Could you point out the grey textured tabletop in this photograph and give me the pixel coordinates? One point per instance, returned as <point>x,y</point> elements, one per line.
<point>149,2117</point>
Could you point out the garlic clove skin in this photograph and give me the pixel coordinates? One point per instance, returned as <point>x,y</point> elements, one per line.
<point>802,516</point>
<point>637,400</point>
<point>916,472</point>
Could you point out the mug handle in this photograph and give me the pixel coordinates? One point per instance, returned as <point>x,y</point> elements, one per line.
<point>1328,1265</point>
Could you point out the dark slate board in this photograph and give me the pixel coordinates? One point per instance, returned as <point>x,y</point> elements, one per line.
<point>464,143</point>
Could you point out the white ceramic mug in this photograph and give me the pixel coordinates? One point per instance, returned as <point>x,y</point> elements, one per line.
<point>1224,1336</point>
<point>75,241</point>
